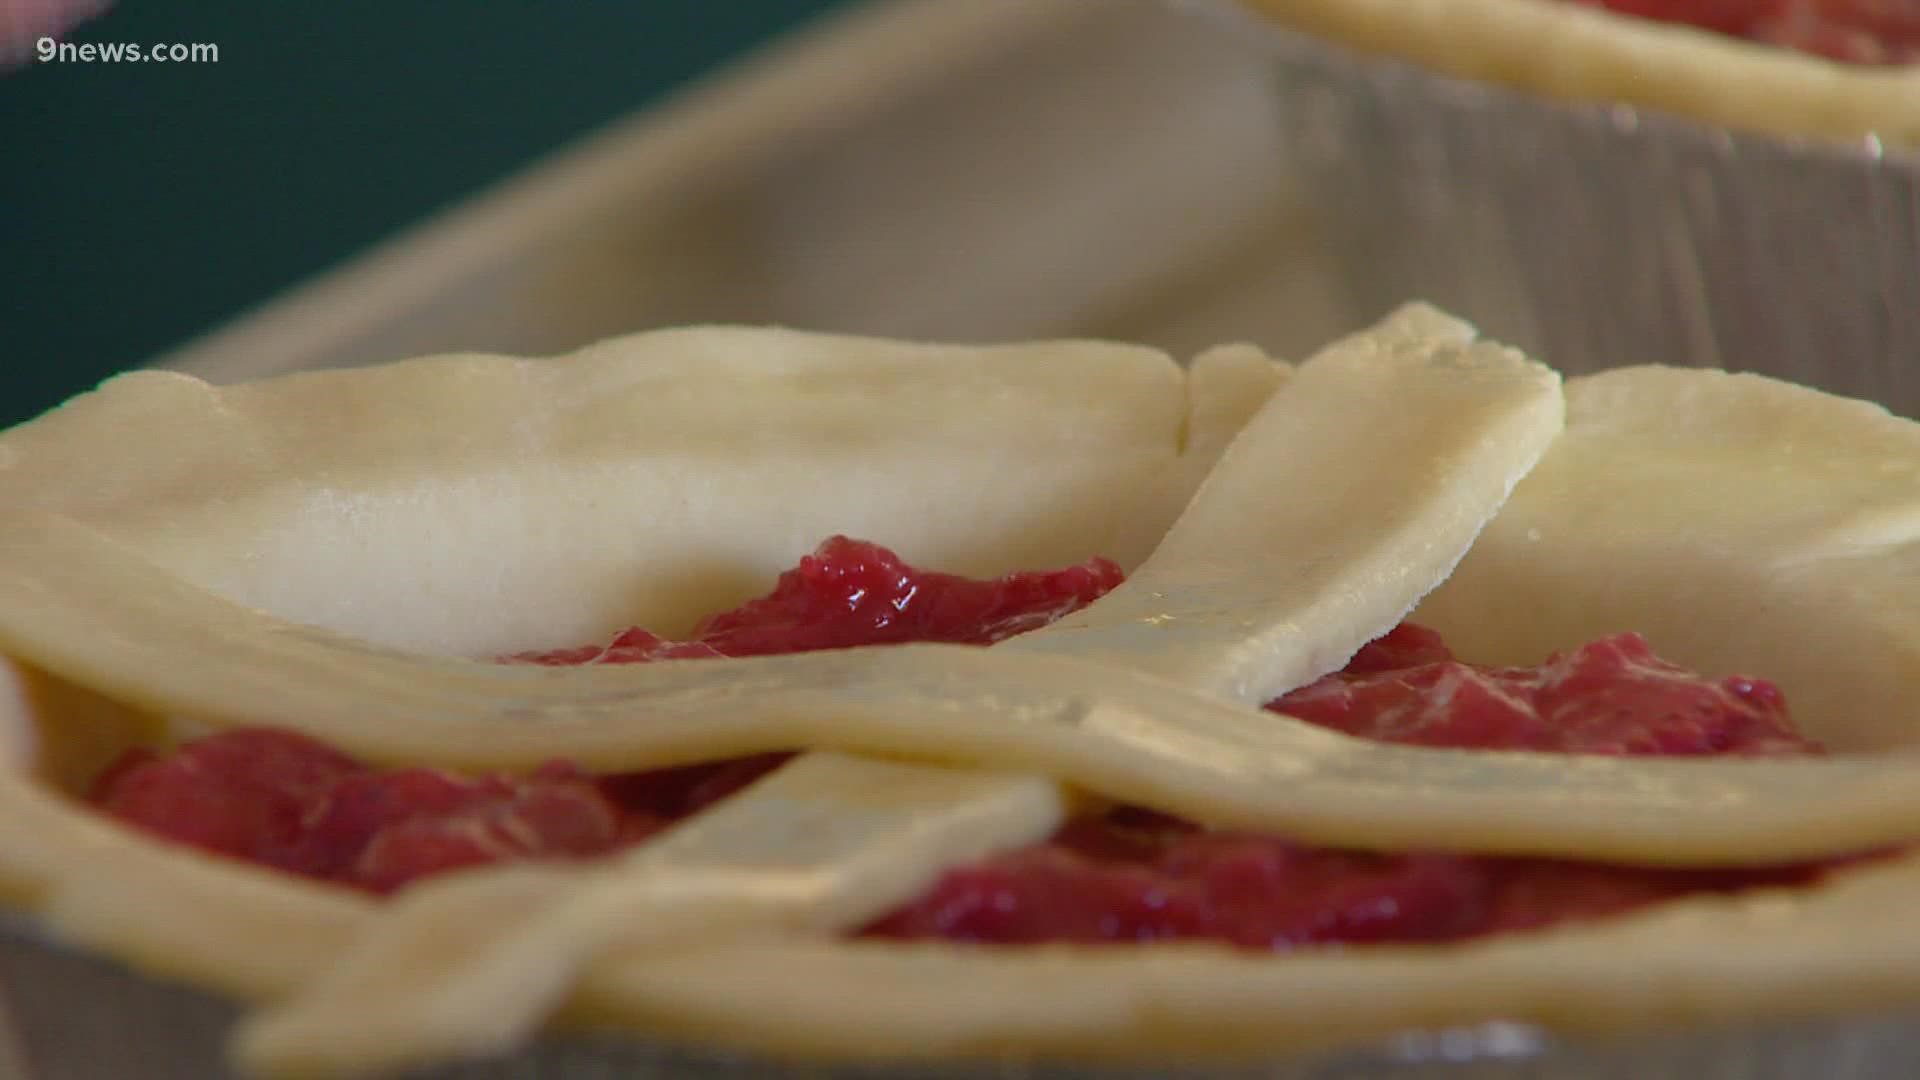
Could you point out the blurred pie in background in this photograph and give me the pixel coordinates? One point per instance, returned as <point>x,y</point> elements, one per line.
<point>1837,68</point>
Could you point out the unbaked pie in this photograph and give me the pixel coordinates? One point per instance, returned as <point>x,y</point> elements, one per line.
<point>299,708</point>
<point>1834,68</point>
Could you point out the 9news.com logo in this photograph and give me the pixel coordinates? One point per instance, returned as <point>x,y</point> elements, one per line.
<point>48,51</point>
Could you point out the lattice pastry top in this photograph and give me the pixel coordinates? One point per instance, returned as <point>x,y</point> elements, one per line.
<point>339,553</point>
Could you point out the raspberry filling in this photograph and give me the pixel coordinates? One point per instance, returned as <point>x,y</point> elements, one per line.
<point>285,801</point>
<point>1885,32</point>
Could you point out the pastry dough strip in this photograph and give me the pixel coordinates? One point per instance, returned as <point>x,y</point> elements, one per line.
<point>1107,730</point>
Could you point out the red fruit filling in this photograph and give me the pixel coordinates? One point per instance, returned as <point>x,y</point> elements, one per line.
<point>1130,876</point>
<point>285,801</point>
<point>850,592</point>
<point>289,802</point>
<point>1612,696</point>
<point>1854,31</point>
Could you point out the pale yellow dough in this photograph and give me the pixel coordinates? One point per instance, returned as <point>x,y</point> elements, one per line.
<point>831,842</point>
<point>486,504</point>
<point>1771,529</point>
<point>1567,50</point>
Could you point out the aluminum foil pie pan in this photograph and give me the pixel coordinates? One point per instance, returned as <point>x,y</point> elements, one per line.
<point>69,1015</point>
<point>1598,235</point>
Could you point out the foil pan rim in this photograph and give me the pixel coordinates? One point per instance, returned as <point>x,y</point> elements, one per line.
<point>1675,242</point>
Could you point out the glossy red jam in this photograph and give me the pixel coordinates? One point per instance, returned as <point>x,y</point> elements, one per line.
<point>1854,31</point>
<point>285,801</point>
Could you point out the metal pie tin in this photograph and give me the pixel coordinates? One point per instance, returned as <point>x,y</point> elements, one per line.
<point>1600,235</point>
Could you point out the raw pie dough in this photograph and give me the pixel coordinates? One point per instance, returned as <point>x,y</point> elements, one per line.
<point>1582,53</point>
<point>1278,517</point>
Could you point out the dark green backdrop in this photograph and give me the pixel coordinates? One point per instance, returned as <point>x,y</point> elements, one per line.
<point>143,203</point>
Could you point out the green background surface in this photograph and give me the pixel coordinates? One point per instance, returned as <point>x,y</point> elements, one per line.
<point>141,204</point>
